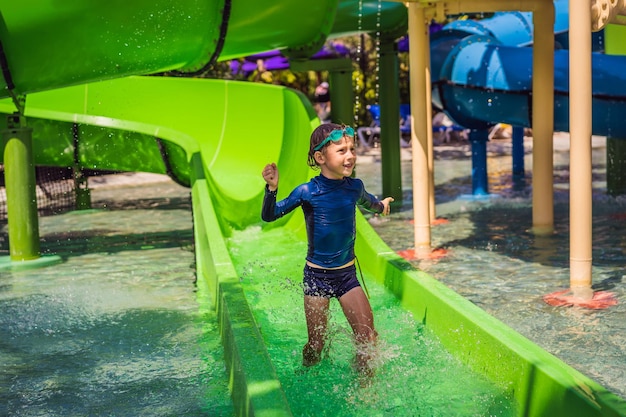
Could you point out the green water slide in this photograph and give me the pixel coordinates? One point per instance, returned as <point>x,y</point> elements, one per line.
<point>48,44</point>
<point>216,136</point>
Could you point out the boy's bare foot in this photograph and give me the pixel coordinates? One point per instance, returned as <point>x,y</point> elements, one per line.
<point>364,367</point>
<point>310,356</point>
<point>365,373</point>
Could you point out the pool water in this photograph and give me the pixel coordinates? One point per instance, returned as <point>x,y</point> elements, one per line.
<point>118,328</point>
<point>495,262</point>
<point>415,376</point>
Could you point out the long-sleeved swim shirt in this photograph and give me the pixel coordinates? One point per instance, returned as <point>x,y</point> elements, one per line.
<point>329,208</point>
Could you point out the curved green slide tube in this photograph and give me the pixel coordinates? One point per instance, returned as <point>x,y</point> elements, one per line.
<point>216,136</point>
<point>48,44</point>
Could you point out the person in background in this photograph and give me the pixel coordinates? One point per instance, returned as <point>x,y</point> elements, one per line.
<point>322,102</point>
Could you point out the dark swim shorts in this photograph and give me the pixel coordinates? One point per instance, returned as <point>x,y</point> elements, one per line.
<point>329,282</point>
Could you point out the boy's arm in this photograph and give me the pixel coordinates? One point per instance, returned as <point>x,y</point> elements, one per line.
<point>272,209</point>
<point>268,212</point>
<point>371,203</point>
<point>386,205</point>
<point>270,175</point>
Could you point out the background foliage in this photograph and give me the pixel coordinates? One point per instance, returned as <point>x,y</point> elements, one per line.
<point>364,55</point>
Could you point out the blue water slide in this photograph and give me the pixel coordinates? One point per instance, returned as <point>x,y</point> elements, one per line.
<point>509,28</point>
<point>482,74</point>
<point>516,28</point>
<point>483,82</point>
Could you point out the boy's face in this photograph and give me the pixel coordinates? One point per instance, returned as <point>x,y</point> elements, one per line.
<point>338,159</point>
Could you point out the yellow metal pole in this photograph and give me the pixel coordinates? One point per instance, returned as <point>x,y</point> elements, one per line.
<point>580,148</point>
<point>543,120</point>
<point>420,125</point>
<point>429,127</point>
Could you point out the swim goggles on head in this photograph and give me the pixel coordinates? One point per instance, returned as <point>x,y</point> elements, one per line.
<point>335,135</point>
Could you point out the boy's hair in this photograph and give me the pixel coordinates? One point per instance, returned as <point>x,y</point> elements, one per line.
<point>319,134</point>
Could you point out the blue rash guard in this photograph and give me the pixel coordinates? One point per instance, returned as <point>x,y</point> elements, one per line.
<point>329,208</point>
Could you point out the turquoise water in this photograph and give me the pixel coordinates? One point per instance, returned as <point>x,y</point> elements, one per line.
<point>495,262</point>
<point>415,376</point>
<point>118,328</point>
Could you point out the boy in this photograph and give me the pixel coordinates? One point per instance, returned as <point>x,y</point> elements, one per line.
<point>329,204</point>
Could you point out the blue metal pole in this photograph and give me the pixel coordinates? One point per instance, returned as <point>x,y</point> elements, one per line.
<point>518,152</point>
<point>518,158</point>
<point>478,140</point>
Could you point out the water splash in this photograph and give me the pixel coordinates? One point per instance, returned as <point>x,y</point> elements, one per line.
<point>412,369</point>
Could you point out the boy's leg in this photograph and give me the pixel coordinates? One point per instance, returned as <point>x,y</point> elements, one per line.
<point>316,312</point>
<point>358,311</point>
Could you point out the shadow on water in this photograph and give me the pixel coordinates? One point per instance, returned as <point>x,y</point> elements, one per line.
<point>105,241</point>
<point>451,153</point>
<point>505,227</point>
<point>62,235</point>
<point>608,283</point>
<point>67,244</point>
<point>155,203</point>
<point>502,222</point>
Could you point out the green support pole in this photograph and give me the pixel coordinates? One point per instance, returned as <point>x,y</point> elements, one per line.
<point>20,188</point>
<point>340,80</point>
<point>81,182</point>
<point>81,187</point>
<point>389,97</point>
<point>615,166</point>
<point>614,37</point>
<point>341,96</point>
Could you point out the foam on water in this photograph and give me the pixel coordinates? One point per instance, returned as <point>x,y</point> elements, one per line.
<point>115,329</point>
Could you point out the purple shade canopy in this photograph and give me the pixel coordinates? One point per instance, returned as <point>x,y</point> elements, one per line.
<point>403,43</point>
<point>274,60</point>
<point>237,67</point>
<point>276,63</point>
<point>263,55</point>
